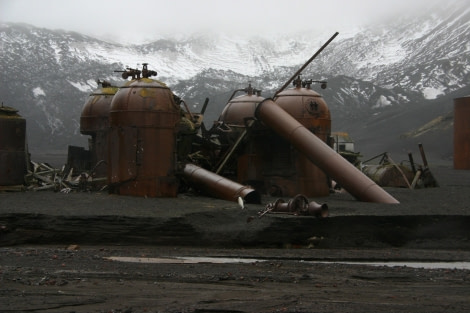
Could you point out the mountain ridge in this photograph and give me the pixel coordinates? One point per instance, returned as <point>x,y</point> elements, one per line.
<point>48,74</point>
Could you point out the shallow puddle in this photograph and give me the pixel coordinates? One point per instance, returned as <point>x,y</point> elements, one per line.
<point>228,260</point>
<point>183,260</point>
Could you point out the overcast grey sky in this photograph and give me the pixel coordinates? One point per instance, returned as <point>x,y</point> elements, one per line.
<point>136,20</point>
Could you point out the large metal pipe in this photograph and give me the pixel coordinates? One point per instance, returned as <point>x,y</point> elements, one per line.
<point>323,156</point>
<point>219,186</point>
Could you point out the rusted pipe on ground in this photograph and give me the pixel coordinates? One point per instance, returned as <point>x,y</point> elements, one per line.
<point>219,186</point>
<point>298,205</point>
<point>323,156</point>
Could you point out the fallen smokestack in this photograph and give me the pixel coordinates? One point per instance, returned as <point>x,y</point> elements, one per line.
<point>332,163</point>
<point>218,186</point>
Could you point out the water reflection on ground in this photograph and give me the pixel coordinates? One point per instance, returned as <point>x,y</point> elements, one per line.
<point>228,260</point>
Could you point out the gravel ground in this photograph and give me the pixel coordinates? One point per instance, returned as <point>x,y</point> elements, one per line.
<point>60,253</point>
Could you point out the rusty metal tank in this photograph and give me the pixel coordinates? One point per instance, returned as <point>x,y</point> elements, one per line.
<point>462,133</point>
<point>389,175</point>
<point>13,152</point>
<point>237,116</point>
<point>143,125</point>
<point>241,109</point>
<point>94,121</point>
<point>321,154</point>
<point>291,171</point>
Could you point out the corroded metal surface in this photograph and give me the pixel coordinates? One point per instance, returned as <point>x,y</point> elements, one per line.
<point>308,108</point>
<point>353,180</point>
<point>299,205</point>
<point>95,112</point>
<point>311,111</point>
<point>143,124</point>
<point>239,109</point>
<point>94,121</point>
<point>13,152</point>
<point>268,161</point>
<point>462,133</point>
<point>389,175</point>
<point>219,186</point>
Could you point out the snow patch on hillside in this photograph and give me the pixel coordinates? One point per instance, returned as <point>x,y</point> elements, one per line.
<point>38,91</point>
<point>431,93</point>
<point>81,86</point>
<point>382,102</point>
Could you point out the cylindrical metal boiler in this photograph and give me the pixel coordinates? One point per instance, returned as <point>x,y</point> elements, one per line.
<point>13,153</point>
<point>462,133</point>
<point>142,137</point>
<point>291,171</point>
<point>94,121</point>
<point>318,152</point>
<point>237,115</point>
<point>241,108</point>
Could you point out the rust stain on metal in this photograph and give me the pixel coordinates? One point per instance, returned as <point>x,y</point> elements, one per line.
<point>142,140</point>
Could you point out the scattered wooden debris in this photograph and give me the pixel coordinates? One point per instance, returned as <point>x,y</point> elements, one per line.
<point>42,176</point>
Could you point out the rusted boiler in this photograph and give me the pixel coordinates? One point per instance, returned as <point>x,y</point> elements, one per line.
<point>268,161</point>
<point>94,121</point>
<point>13,152</point>
<point>143,122</point>
<point>321,154</point>
<point>311,111</point>
<point>234,128</point>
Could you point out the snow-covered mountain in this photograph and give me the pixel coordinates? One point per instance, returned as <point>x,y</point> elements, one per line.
<point>383,70</point>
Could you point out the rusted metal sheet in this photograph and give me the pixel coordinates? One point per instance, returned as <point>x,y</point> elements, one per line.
<point>323,156</point>
<point>219,186</point>
<point>143,124</point>
<point>13,154</point>
<point>462,133</point>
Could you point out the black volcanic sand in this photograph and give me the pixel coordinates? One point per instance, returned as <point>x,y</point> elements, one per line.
<point>56,253</point>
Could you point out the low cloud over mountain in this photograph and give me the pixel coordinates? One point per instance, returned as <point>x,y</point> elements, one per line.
<point>384,83</point>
